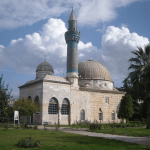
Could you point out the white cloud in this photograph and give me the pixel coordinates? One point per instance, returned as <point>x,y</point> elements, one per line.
<point>15,13</point>
<point>25,54</point>
<point>117,45</point>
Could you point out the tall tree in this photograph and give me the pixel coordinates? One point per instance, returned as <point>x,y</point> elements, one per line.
<point>140,66</point>
<point>5,95</point>
<point>126,108</point>
<point>137,93</point>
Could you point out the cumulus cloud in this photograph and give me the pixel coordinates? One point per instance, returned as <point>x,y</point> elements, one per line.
<point>117,44</point>
<point>25,54</point>
<point>26,12</point>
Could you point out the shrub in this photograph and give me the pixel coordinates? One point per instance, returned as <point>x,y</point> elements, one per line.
<point>95,126</point>
<point>28,143</point>
<point>82,124</point>
<point>6,126</point>
<point>24,125</point>
<point>35,127</point>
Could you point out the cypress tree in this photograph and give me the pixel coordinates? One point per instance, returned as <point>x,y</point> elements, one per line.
<point>126,108</point>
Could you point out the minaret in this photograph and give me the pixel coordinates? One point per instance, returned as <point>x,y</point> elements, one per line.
<point>72,37</point>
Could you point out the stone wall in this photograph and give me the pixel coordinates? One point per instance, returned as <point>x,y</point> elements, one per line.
<point>90,102</point>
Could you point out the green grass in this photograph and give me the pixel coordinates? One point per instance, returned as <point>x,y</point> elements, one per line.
<point>68,126</point>
<point>56,140</point>
<point>126,131</point>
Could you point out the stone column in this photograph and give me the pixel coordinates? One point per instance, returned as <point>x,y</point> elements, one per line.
<point>69,116</point>
<point>59,114</point>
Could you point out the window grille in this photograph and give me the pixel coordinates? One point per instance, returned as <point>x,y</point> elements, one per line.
<point>53,106</point>
<point>65,107</point>
<point>100,116</point>
<point>82,115</point>
<point>113,115</point>
<point>107,100</point>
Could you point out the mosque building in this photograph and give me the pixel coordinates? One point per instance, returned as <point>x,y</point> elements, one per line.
<point>86,93</point>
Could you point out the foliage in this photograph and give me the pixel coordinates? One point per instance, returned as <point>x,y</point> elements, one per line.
<point>23,125</point>
<point>28,143</point>
<point>95,126</point>
<point>4,97</point>
<point>26,107</point>
<point>125,109</point>
<point>140,66</point>
<point>143,109</point>
<point>81,124</point>
<point>6,126</point>
<point>35,127</point>
<point>9,111</point>
<point>137,92</point>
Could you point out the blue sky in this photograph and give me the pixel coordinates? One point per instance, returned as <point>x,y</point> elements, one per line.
<point>31,31</point>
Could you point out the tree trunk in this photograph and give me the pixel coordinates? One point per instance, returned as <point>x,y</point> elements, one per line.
<point>148,113</point>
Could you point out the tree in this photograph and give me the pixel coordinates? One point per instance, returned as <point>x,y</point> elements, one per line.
<point>4,97</point>
<point>140,66</point>
<point>126,108</point>
<point>26,107</point>
<point>137,92</point>
<point>143,109</point>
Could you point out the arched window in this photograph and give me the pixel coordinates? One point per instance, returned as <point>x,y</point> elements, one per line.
<point>82,114</point>
<point>29,98</point>
<point>100,114</point>
<point>113,115</point>
<point>65,107</point>
<point>36,100</point>
<point>53,106</point>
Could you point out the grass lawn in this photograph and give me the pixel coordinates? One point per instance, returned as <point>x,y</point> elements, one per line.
<point>126,131</point>
<point>57,140</point>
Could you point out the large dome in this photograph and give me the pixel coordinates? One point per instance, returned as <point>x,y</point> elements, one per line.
<point>93,70</point>
<point>44,66</point>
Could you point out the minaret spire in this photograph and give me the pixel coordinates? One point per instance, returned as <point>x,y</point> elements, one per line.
<point>72,37</point>
<point>72,16</point>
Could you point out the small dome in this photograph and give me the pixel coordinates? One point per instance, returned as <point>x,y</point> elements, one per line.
<point>44,66</point>
<point>93,70</point>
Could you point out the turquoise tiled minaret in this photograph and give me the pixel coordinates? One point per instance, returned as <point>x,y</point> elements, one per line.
<point>72,37</point>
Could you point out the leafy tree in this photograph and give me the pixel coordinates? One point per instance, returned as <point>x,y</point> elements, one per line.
<point>140,66</point>
<point>126,108</point>
<point>143,109</point>
<point>26,107</point>
<point>4,97</point>
<point>137,93</point>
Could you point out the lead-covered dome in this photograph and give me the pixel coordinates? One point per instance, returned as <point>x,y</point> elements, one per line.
<point>93,70</point>
<point>44,69</point>
<point>45,66</point>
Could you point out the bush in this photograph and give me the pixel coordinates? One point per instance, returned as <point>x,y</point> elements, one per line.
<point>35,127</point>
<point>6,126</point>
<point>95,126</point>
<point>24,125</point>
<point>28,143</point>
<point>82,124</point>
